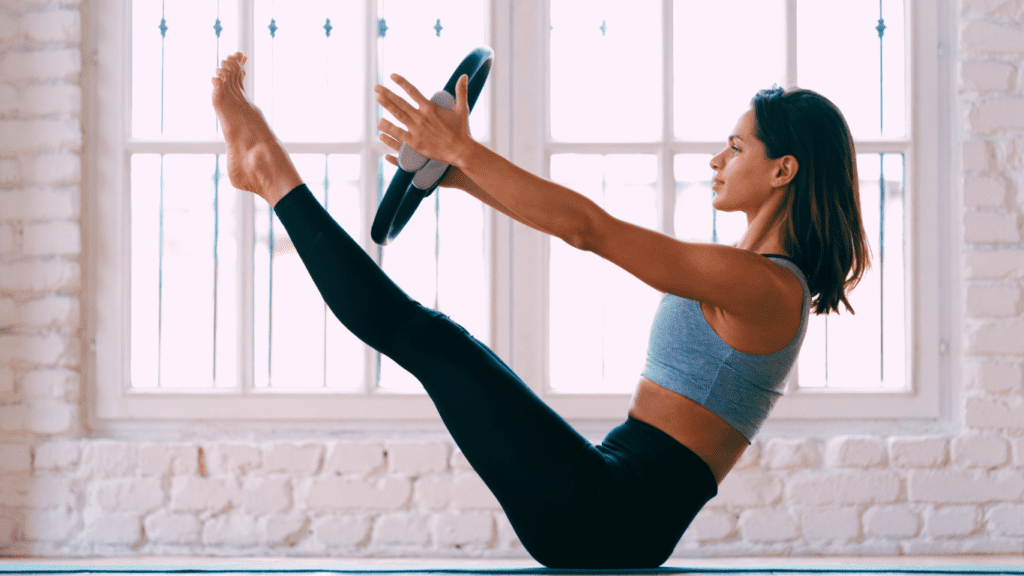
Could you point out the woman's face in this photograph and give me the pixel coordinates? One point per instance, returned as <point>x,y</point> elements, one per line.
<point>743,172</point>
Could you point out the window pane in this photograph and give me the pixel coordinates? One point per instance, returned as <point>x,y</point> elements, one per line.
<point>183,280</point>
<point>600,315</point>
<point>171,71</point>
<point>293,327</point>
<point>839,57</point>
<point>866,350</point>
<point>695,219</point>
<point>310,84</point>
<point>722,61</point>
<point>424,43</point>
<point>606,77</point>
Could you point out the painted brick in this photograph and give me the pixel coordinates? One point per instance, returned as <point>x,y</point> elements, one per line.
<point>198,494</point>
<point>999,413</point>
<point>40,134</point>
<point>743,489</point>
<point>891,522</point>
<point>750,458</point>
<point>52,239</point>
<point>10,173</point>
<point>782,453</point>
<point>109,459</point>
<point>50,525</point>
<point>711,525</point>
<point>59,26</point>
<point>984,192</point>
<point>918,452</point>
<point>15,458</point>
<point>55,167</point>
<point>9,29</point>
<point>39,204</point>
<point>432,492</point>
<point>990,339</point>
<point>231,530</point>
<point>51,99</point>
<point>993,301</point>
<point>295,458</point>
<point>963,546</point>
<point>976,451</point>
<point>1017,447</point>
<point>8,312</point>
<point>401,528</point>
<point>163,527</point>
<point>6,379</point>
<point>49,383</point>
<point>984,118</point>
<point>994,265</point>
<point>232,458</point>
<point>415,458</point>
<point>112,528</point>
<point>57,455</point>
<point>963,487</point>
<point>831,523</point>
<point>12,418</point>
<point>985,77</point>
<point>507,539</point>
<point>989,7</point>
<point>854,452</point>
<point>459,463</point>
<point>860,487</point>
<point>353,457</point>
<point>128,494</point>
<point>470,493</point>
<point>168,459</point>
<point>7,244</point>
<point>996,377</point>
<point>42,492</point>
<point>263,495</point>
<point>767,526</point>
<point>46,350</point>
<point>348,530</point>
<point>7,533</point>
<point>48,417</point>
<point>284,529</point>
<point>41,65</point>
<point>950,521</point>
<point>1006,519</point>
<point>334,492</point>
<point>464,528</point>
<point>38,275</point>
<point>976,155</point>
<point>984,37</point>
<point>991,227</point>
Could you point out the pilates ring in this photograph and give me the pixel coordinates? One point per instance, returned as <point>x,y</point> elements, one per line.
<point>417,176</point>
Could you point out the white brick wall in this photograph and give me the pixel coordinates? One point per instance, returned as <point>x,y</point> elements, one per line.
<point>64,494</point>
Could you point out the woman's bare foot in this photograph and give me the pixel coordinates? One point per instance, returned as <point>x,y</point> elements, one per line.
<point>256,161</point>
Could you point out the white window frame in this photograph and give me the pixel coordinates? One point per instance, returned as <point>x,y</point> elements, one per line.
<point>519,259</point>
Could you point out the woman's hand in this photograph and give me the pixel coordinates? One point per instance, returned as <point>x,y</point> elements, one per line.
<point>432,131</point>
<point>455,178</point>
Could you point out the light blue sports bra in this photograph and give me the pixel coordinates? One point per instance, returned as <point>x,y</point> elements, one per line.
<point>687,356</point>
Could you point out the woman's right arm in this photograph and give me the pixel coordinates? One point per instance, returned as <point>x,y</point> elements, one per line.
<point>462,182</point>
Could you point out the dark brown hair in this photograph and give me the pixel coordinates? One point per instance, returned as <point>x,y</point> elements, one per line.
<point>823,230</point>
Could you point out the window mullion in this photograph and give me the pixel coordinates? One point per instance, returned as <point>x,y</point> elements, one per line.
<point>246,239</point>
<point>666,208</point>
<point>371,185</point>
<point>791,79</point>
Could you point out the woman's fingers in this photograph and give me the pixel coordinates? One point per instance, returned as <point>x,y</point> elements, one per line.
<point>391,158</point>
<point>461,91</point>
<point>391,130</point>
<point>391,142</point>
<point>409,89</point>
<point>395,104</point>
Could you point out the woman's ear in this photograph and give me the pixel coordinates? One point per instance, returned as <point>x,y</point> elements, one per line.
<point>785,171</point>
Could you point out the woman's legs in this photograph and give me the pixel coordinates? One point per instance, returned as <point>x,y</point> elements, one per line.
<point>545,475</point>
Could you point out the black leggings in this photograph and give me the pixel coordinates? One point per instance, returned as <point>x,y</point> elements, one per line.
<point>622,504</point>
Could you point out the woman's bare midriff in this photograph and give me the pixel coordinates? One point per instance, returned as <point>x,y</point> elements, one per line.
<point>692,425</point>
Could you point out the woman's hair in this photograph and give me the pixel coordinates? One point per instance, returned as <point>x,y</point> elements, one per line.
<point>823,232</point>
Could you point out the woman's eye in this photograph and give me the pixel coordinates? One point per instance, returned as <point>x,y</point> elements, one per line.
<point>735,148</point>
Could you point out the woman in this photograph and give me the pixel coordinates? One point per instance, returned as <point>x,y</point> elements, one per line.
<point>724,339</point>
